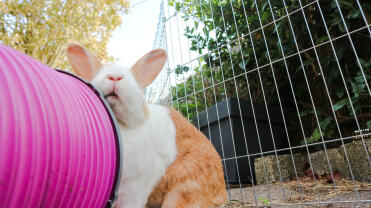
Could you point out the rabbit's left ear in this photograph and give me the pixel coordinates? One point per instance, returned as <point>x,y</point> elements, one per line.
<point>147,68</point>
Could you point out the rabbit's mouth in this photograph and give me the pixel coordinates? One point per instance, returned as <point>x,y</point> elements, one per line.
<point>112,94</point>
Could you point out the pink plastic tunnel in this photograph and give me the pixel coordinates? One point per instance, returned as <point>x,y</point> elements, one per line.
<point>58,143</point>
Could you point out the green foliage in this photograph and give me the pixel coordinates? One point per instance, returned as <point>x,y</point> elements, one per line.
<point>231,31</point>
<point>43,28</point>
<point>317,134</point>
<point>264,200</point>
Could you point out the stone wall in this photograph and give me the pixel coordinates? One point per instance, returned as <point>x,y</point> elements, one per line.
<point>358,160</point>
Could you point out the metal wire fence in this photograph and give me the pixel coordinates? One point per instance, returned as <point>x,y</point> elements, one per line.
<point>282,90</point>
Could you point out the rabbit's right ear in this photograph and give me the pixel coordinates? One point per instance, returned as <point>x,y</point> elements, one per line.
<point>147,68</point>
<point>83,62</point>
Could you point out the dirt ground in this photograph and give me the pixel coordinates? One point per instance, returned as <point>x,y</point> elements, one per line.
<point>310,194</point>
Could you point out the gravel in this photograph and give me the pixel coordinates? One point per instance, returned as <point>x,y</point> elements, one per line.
<point>311,194</point>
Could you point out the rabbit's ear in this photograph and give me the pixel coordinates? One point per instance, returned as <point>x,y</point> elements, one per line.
<point>83,62</point>
<point>149,66</point>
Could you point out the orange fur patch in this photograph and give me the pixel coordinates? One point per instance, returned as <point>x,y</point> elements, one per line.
<point>195,179</point>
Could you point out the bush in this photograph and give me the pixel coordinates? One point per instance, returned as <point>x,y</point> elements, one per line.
<point>239,59</point>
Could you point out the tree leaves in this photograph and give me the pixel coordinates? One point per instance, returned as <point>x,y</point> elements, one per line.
<point>42,28</point>
<point>322,39</point>
<point>294,34</point>
<point>340,104</point>
<point>355,13</point>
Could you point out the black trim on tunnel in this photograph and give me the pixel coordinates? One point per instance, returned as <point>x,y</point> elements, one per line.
<point>119,149</point>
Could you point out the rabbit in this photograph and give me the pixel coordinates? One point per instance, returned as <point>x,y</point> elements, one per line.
<point>167,162</point>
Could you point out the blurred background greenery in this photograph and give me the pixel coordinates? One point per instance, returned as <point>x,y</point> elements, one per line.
<point>240,59</point>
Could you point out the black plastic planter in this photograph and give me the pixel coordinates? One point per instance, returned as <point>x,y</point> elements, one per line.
<point>209,125</point>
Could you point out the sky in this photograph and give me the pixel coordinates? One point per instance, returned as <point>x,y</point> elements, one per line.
<point>135,36</point>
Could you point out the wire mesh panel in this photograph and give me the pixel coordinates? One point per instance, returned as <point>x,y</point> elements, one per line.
<point>282,90</point>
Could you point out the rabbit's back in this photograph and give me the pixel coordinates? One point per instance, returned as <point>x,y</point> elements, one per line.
<point>195,178</point>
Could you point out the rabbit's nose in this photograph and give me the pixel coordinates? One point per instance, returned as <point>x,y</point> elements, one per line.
<point>115,78</point>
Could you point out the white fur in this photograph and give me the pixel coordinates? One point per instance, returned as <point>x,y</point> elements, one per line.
<point>148,150</point>
<point>129,107</point>
<point>148,135</point>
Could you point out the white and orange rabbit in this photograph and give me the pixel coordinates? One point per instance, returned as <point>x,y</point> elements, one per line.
<point>167,162</point>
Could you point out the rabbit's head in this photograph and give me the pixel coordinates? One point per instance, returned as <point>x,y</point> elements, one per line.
<point>122,87</point>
